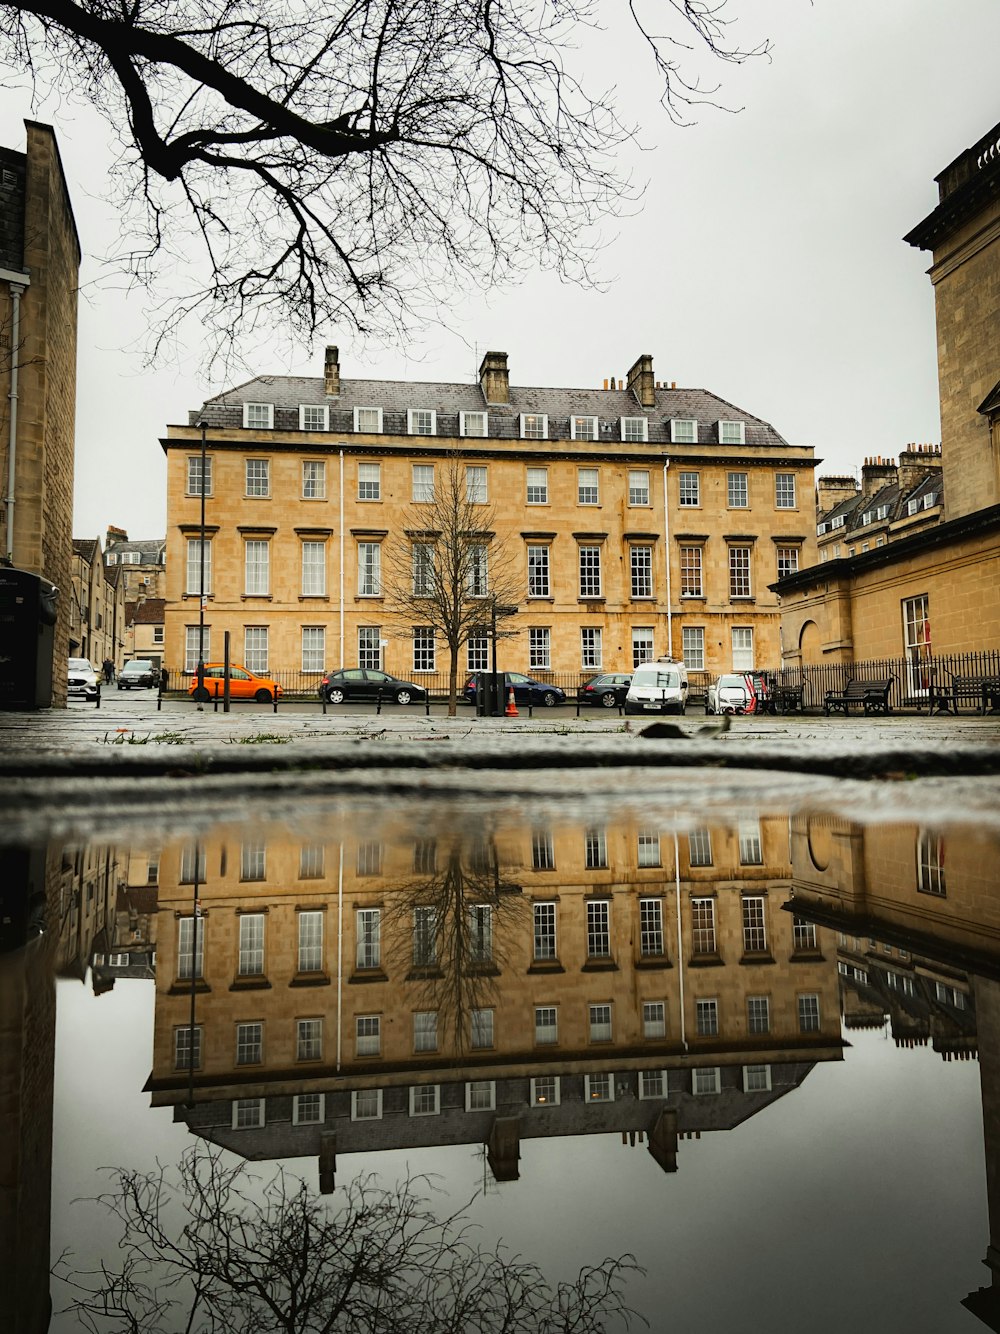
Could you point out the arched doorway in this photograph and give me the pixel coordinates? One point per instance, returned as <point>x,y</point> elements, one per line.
<point>810,648</point>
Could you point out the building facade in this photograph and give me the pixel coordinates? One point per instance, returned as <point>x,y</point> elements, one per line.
<point>97,626</point>
<point>644,521</point>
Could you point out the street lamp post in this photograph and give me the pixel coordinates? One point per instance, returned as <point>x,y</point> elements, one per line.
<point>199,694</point>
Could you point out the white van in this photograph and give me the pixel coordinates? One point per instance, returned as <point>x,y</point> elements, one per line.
<point>658,687</point>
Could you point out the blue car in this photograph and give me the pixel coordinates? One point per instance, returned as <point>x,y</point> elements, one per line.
<point>526,690</point>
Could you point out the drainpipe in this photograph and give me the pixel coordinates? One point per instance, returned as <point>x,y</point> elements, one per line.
<point>666,542</point>
<point>340,955</point>
<point>680,937</point>
<point>18,282</point>
<point>342,659</point>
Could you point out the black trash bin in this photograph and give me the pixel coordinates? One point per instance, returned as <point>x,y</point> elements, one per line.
<point>491,699</point>
<point>27,638</point>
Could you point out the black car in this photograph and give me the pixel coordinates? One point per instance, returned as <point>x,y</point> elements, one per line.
<point>138,672</point>
<point>353,684</point>
<point>526,690</point>
<point>608,690</point>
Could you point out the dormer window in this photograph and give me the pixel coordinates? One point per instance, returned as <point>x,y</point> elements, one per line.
<point>913,505</point>
<point>731,433</point>
<point>839,521</point>
<point>683,431</point>
<point>534,426</point>
<point>583,428</point>
<point>421,421</point>
<point>882,512</point>
<point>634,429</point>
<point>929,499</point>
<point>314,417</point>
<point>368,420</point>
<point>866,519</point>
<point>473,423</point>
<point>258,416</point>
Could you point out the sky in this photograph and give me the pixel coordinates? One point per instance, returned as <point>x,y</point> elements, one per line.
<point>765,264</point>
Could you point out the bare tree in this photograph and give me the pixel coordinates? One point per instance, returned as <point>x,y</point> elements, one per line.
<point>292,167</point>
<point>445,570</point>
<point>238,1257</point>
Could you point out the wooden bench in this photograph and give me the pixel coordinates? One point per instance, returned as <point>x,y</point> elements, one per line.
<point>872,696</point>
<point>983,691</point>
<point>786,699</point>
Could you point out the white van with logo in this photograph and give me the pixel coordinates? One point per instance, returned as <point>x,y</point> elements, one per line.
<point>658,687</point>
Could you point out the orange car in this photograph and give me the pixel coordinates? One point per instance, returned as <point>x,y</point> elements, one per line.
<point>242,684</point>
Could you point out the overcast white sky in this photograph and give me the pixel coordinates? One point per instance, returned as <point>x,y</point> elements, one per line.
<point>766,264</point>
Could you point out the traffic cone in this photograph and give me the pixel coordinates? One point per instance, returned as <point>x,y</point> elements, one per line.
<point>511,710</point>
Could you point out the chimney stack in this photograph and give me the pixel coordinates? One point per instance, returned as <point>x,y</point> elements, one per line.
<point>641,382</point>
<point>494,379</point>
<point>876,473</point>
<point>831,491</point>
<point>915,462</point>
<point>331,372</point>
<point>114,535</point>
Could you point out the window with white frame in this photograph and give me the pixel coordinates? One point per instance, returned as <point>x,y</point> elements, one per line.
<point>369,647</point>
<point>693,647</point>
<point>425,855</point>
<point>421,421</point>
<point>544,1091</point>
<point>258,473</point>
<point>689,489</point>
<point>595,849</point>
<point>425,936</point>
<point>194,475</point>
<point>706,1079</point>
<point>253,861</point>
<point>641,560</point>
<point>758,1014</point>
<point>683,431</point>
<point>737,490</point>
<point>369,570</point>
<point>192,577</point>
<point>543,855</point>
<point>652,1084</point>
<point>784,490</point>
<point>481,1028</point>
<point>480,1095</point>
<point>638,486</point>
<point>634,429</point>
<point>599,1088</point>
<point>249,1043</point>
<point>538,571</point>
<point>754,931</point>
<point>930,864</point>
<point>422,568</point>
<point>756,1078</point>
<point>256,647</point>
<point>742,641</point>
<point>473,423</point>
<point>691,572</point>
<point>538,486</point>
<point>308,1109</point>
<point>591,650</point>
<point>313,648</point>
<point>481,933</point>
<point>598,929</point>
<point>369,481</point>
<point>544,932</point>
<point>534,425</point>
<point>703,939</point>
<point>369,857</point>
<point>476,489</point>
<point>366,1105</point>
<point>368,1035</point>
<point>642,644</point>
<point>258,416</point>
<point>314,417</point>
<point>587,489</point>
<point>251,940</point>
<point>539,648</point>
<point>546,1025</point>
<point>257,558</point>
<point>803,934</point>
<point>648,847</point>
<point>590,572</point>
<point>651,928</point>
<point>191,636</point>
<point>310,952</point>
<point>369,942</point>
<point>187,1054</point>
<point>368,420</point>
<point>809,1014</point>
<point>583,428</point>
<point>600,1023</point>
<point>248,1113</point>
<point>477,583</point>
<point>477,653</point>
<point>707,1017</point>
<point>739,572</point>
<point>313,569</point>
<point>309,1039</point>
<point>422,486</point>
<point>654,1019</point>
<point>423,648</point>
<point>748,832</point>
<point>425,1030</point>
<point>700,847</point>
<point>313,479</point>
<point>193,863</point>
<point>425,1099</point>
<point>788,561</point>
<point>731,433</point>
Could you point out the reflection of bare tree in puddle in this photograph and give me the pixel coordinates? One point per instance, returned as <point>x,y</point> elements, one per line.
<point>450,932</point>
<point>209,1248</point>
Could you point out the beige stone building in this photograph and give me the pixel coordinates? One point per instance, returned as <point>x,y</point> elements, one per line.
<point>39,265</point>
<point>924,582</point>
<point>644,520</point>
<point>97,628</point>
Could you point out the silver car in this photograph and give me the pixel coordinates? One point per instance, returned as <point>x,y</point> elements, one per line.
<point>82,679</point>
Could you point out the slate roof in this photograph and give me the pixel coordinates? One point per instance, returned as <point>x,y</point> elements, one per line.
<point>152,550</point>
<point>150,611</point>
<point>394,397</point>
<point>86,547</point>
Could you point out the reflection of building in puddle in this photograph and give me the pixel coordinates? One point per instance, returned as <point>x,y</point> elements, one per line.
<point>917,917</point>
<point>425,988</point>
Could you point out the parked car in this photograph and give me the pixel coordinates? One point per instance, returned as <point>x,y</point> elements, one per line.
<point>351,684</point>
<point>82,679</point>
<point>608,690</point>
<point>526,690</point>
<point>658,687</point>
<point>138,672</point>
<point>735,692</point>
<point>243,684</point>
